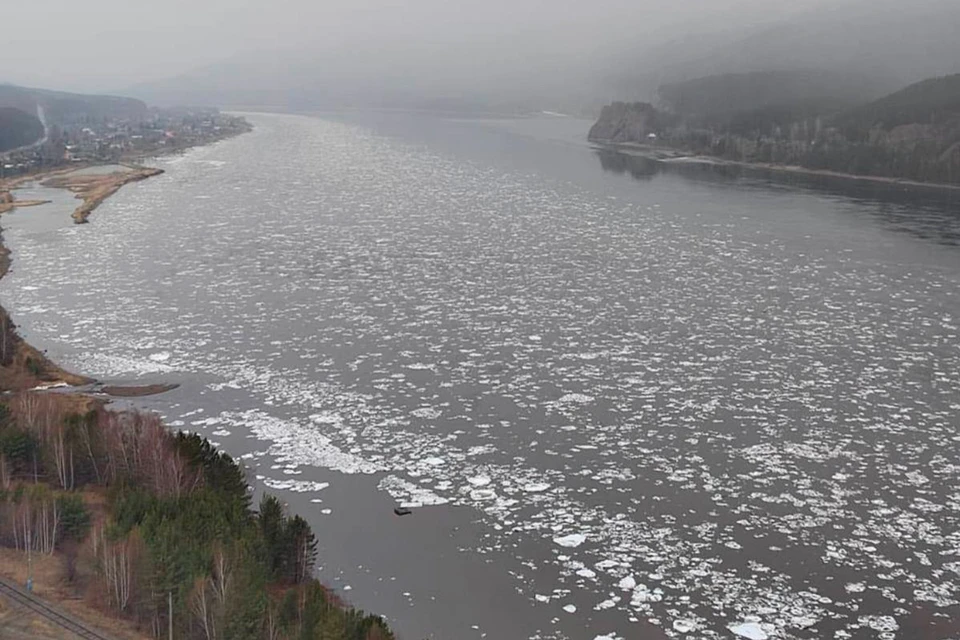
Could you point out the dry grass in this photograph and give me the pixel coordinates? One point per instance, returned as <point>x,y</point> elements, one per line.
<point>8,202</point>
<point>17,623</point>
<point>50,584</point>
<point>29,368</point>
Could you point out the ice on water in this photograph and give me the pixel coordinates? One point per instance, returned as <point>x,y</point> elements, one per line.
<point>683,415</point>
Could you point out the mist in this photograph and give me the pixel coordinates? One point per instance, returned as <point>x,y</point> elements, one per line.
<point>564,54</point>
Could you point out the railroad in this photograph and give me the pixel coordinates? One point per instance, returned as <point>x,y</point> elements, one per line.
<point>41,608</point>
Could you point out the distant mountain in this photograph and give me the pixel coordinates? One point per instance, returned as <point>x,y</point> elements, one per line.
<point>18,129</point>
<point>62,109</point>
<point>892,42</point>
<point>311,80</point>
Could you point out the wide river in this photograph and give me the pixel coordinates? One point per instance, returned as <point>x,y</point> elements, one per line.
<point>626,399</point>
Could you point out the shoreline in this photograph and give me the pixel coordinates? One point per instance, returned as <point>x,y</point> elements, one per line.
<point>668,155</point>
<point>85,396</point>
<point>22,366</point>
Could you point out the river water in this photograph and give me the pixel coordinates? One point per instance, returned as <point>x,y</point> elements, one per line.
<point>625,399</point>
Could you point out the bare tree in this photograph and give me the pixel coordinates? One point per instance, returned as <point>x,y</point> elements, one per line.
<point>202,606</point>
<point>117,561</point>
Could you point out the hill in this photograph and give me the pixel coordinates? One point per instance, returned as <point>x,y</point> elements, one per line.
<point>715,98</point>
<point>929,102</point>
<point>65,109</point>
<point>911,134</point>
<point>18,129</point>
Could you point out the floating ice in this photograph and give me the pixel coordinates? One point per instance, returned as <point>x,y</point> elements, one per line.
<point>536,487</point>
<point>880,623</point>
<point>410,494</point>
<point>835,403</point>
<point>684,626</point>
<point>576,398</point>
<point>291,442</point>
<point>749,630</point>
<point>572,540</point>
<point>297,486</point>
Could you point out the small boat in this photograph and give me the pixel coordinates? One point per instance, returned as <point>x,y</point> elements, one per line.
<point>402,511</point>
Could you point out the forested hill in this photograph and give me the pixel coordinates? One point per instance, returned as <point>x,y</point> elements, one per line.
<point>767,118</point>
<point>18,129</point>
<point>62,108</point>
<point>716,97</point>
<point>930,102</point>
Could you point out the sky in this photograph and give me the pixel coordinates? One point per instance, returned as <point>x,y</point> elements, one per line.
<point>109,45</point>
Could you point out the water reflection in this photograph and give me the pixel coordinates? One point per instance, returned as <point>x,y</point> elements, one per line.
<point>931,213</point>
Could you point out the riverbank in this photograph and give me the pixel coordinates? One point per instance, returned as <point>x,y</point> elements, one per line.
<point>183,494</point>
<point>669,155</point>
<point>21,365</point>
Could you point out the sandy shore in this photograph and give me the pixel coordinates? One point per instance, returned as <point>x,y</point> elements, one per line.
<point>8,202</point>
<point>671,156</point>
<point>94,189</point>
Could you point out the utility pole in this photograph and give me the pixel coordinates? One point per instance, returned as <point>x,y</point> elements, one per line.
<point>170,613</point>
<point>30,563</point>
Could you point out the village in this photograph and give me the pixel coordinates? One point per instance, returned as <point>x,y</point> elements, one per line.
<point>112,139</point>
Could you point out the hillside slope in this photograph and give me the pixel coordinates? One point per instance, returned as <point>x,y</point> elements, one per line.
<point>18,128</point>
<point>71,108</point>
<point>717,97</point>
<point>929,102</point>
<point>911,134</point>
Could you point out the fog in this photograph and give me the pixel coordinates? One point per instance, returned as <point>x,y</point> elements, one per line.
<point>565,53</point>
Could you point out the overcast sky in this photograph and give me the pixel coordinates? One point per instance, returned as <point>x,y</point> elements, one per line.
<point>107,45</point>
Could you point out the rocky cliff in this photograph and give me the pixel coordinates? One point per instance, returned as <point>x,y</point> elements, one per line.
<point>627,122</point>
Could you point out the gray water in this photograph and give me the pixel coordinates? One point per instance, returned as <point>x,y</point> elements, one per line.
<point>626,399</point>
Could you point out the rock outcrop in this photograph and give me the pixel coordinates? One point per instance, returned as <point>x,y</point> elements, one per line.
<point>626,122</point>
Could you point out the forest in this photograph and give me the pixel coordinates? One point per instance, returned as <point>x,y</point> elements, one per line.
<point>806,119</point>
<point>151,525</point>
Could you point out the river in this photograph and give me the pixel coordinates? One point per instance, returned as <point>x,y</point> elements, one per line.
<point>625,399</point>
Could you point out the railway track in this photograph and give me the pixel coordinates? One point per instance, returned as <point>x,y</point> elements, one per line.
<point>41,608</point>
